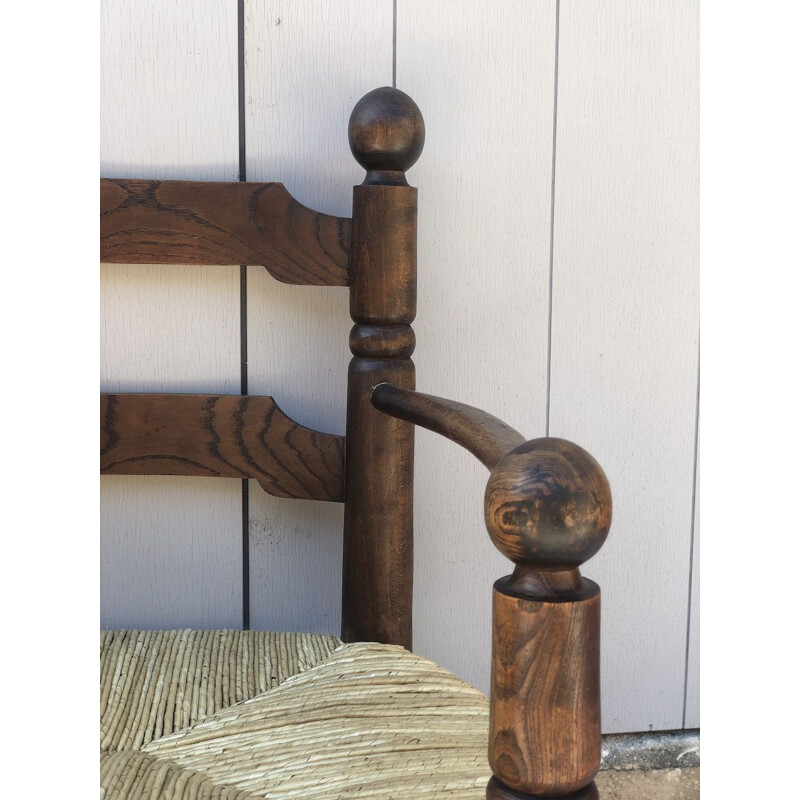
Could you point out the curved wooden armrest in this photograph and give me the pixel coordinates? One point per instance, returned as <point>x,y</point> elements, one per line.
<point>485,436</point>
<point>547,508</point>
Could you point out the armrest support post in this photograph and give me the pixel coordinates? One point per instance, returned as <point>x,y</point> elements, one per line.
<point>548,509</point>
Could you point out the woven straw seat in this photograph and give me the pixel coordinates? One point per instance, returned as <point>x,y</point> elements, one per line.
<point>234,715</point>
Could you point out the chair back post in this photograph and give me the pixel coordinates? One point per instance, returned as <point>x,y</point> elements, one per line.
<point>386,133</point>
<point>548,509</point>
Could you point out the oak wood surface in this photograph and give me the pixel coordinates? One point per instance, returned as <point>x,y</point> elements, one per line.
<point>544,719</point>
<point>548,504</point>
<point>485,436</point>
<point>384,286</point>
<point>386,135</point>
<point>198,222</point>
<point>547,507</point>
<point>219,436</point>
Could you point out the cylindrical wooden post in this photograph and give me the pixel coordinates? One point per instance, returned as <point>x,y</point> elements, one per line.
<point>386,136</point>
<point>548,509</point>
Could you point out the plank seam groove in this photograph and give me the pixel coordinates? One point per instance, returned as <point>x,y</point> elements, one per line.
<point>691,543</point>
<point>243,312</point>
<point>394,44</point>
<point>552,221</point>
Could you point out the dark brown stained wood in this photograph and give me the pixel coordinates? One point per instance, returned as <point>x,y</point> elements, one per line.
<point>387,341</point>
<point>378,552</point>
<point>547,507</point>
<point>384,286</point>
<point>544,719</point>
<point>485,436</point>
<point>496,791</point>
<point>193,222</point>
<point>386,134</point>
<point>228,436</point>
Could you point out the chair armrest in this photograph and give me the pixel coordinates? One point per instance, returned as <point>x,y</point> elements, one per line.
<point>547,508</point>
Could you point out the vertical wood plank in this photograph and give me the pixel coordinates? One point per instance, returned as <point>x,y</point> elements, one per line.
<point>625,324</point>
<point>169,546</point>
<point>169,554</point>
<point>482,74</point>
<point>692,712</point>
<point>306,66</point>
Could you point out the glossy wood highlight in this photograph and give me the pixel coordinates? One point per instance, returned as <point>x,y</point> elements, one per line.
<point>194,222</point>
<point>219,436</point>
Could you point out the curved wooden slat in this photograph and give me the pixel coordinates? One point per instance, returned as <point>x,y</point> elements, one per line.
<point>219,436</point>
<point>193,222</point>
<point>485,436</point>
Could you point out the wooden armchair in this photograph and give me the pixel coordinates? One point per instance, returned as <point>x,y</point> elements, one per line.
<point>547,503</point>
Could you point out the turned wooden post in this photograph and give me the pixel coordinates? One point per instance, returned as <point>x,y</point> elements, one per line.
<point>548,509</point>
<point>386,134</point>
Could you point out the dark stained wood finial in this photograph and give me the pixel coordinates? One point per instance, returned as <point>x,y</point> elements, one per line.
<point>548,505</point>
<point>386,133</point>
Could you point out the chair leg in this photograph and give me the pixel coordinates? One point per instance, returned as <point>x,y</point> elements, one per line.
<point>498,791</point>
<point>548,509</point>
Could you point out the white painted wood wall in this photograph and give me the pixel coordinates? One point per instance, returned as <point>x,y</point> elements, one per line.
<point>558,289</point>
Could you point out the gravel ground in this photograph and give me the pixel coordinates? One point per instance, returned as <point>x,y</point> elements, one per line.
<point>661,784</point>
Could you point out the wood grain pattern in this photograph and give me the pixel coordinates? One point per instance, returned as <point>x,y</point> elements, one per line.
<point>219,436</point>
<point>625,323</point>
<point>378,547</point>
<point>170,547</point>
<point>547,507</point>
<point>194,222</point>
<point>485,436</point>
<point>501,63</point>
<point>544,719</point>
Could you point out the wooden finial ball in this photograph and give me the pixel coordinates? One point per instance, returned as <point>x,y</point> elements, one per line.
<point>548,505</point>
<point>386,131</point>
